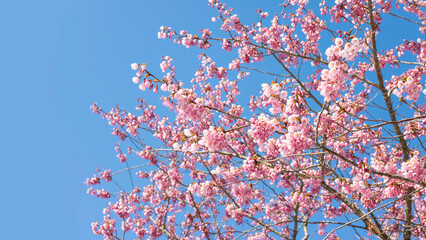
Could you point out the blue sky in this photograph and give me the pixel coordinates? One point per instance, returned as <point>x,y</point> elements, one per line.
<point>57,58</point>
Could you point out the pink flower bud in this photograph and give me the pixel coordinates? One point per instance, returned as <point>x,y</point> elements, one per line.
<point>135,80</point>
<point>134,66</point>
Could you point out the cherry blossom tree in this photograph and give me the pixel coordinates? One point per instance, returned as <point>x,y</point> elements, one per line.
<point>332,146</point>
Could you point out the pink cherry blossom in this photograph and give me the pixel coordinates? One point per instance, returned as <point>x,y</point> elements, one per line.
<point>311,125</point>
<point>134,66</point>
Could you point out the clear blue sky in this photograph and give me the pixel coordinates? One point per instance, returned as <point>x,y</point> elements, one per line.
<point>57,58</point>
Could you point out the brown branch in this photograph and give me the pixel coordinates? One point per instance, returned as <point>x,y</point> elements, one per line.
<point>298,81</point>
<point>357,211</point>
<point>387,99</point>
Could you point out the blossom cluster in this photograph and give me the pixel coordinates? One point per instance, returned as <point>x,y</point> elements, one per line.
<point>314,148</point>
